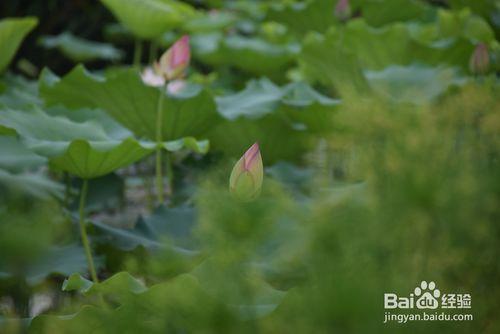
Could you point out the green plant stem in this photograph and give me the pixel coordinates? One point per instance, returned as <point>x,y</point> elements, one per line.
<point>83,231</point>
<point>159,148</point>
<point>67,190</point>
<point>137,52</point>
<point>150,195</point>
<point>170,172</point>
<point>153,48</point>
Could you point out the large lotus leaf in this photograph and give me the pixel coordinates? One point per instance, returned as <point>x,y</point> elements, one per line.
<point>262,97</point>
<point>248,295</point>
<point>416,83</point>
<point>378,13</point>
<point>81,50</point>
<point>30,184</point>
<point>291,175</point>
<point>485,8</point>
<point>149,19</point>
<point>90,160</point>
<point>64,260</point>
<point>301,17</point>
<point>171,306</point>
<point>210,22</point>
<point>377,48</point>
<point>86,149</point>
<point>307,109</point>
<point>14,156</point>
<point>119,284</point>
<point>12,32</point>
<point>318,15</point>
<point>251,54</point>
<point>18,92</point>
<point>339,57</point>
<point>124,96</point>
<point>324,59</point>
<point>281,119</point>
<point>166,228</point>
<point>278,140</point>
<point>83,149</point>
<point>455,24</point>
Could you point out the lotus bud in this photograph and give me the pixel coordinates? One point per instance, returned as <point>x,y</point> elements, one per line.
<point>175,60</point>
<point>246,178</point>
<point>480,60</point>
<point>343,10</point>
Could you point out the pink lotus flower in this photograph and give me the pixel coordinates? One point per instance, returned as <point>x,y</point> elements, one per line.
<point>480,60</point>
<point>246,178</point>
<point>175,60</point>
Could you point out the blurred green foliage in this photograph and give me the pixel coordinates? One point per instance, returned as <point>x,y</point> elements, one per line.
<point>380,146</point>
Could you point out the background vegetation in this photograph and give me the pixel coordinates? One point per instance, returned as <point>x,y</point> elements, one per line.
<point>378,124</point>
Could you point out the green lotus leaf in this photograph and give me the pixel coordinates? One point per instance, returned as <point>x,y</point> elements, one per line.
<point>88,161</point>
<point>62,260</point>
<point>19,93</point>
<point>377,48</point>
<point>228,284</point>
<point>79,49</point>
<point>210,22</point>
<point>324,59</point>
<point>30,184</point>
<point>149,19</point>
<point>379,13</point>
<point>17,157</point>
<point>83,149</point>
<point>251,54</point>
<point>166,228</point>
<point>463,23</point>
<point>87,144</point>
<point>416,83</point>
<point>121,283</point>
<point>280,118</point>
<point>169,301</point>
<point>262,97</point>
<point>484,8</point>
<point>12,32</point>
<point>318,15</point>
<point>340,56</point>
<point>124,96</point>
<point>302,17</point>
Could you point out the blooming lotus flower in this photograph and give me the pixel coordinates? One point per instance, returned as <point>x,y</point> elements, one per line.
<point>246,178</point>
<point>175,60</point>
<point>150,78</point>
<point>343,10</point>
<point>480,59</point>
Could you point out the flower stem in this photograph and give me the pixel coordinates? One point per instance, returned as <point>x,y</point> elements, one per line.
<point>159,149</point>
<point>83,231</point>
<point>137,52</point>
<point>170,173</point>
<point>153,49</point>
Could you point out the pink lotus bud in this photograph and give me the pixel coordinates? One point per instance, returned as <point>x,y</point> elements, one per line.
<point>150,78</point>
<point>175,60</point>
<point>246,178</point>
<point>343,10</point>
<point>480,60</point>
